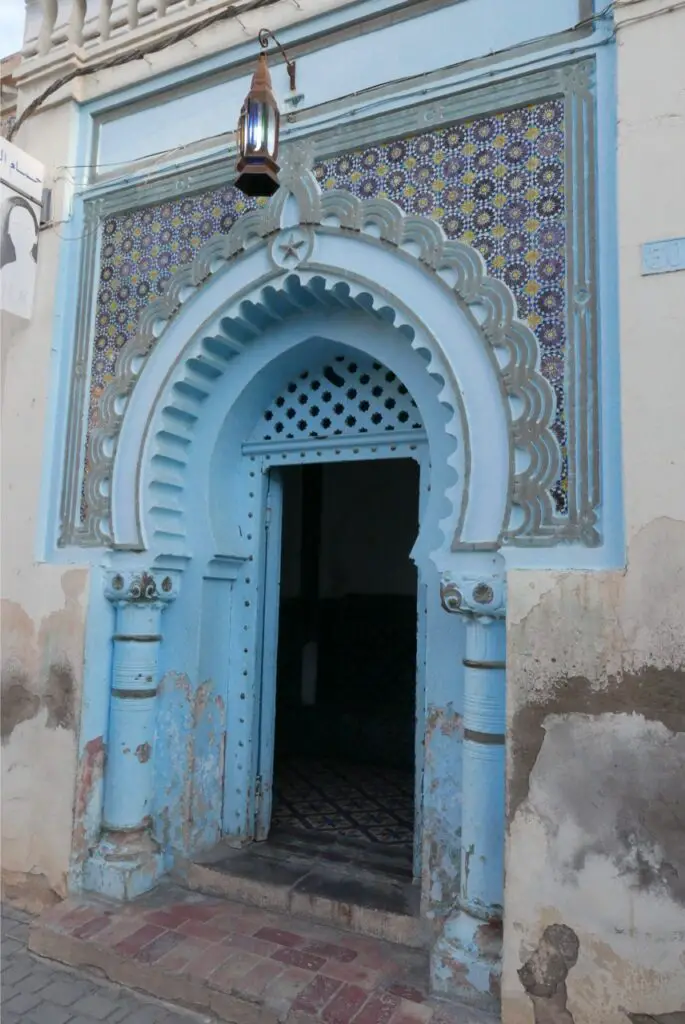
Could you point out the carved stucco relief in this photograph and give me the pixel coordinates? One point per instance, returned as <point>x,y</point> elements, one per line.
<point>488,303</point>
<point>534,100</point>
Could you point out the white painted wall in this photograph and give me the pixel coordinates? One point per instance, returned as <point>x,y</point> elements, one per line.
<point>597,662</point>
<point>156,119</point>
<point>43,606</point>
<point>651,196</point>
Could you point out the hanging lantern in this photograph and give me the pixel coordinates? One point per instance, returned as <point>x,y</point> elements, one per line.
<point>258,130</point>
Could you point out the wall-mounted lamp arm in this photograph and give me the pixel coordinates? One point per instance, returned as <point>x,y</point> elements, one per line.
<point>265,35</point>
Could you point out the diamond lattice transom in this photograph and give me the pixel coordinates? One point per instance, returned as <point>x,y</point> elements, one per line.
<point>350,394</point>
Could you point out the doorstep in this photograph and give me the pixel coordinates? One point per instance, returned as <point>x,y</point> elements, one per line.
<point>242,963</point>
<point>346,886</point>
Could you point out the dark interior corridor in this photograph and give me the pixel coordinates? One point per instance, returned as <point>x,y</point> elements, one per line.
<point>347,653</point>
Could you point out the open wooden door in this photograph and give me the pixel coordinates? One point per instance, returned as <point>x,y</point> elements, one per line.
<point>271,588</point>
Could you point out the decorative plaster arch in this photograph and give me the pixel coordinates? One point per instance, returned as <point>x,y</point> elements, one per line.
<point>310,251</point>
<point>172,474</point>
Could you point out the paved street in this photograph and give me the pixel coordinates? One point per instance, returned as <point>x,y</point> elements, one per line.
<point>243,963</point>
<point>36,991</point>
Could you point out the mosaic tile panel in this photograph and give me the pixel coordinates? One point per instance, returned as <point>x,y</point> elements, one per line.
<point>496,182</point>
<point>349,800</point>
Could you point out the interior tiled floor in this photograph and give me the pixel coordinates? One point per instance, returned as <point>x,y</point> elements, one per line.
<point>352,801</point>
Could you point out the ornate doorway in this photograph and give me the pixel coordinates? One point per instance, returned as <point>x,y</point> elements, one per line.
<point>342,642</point>
<point>182,460</point>
<point>347,679</point>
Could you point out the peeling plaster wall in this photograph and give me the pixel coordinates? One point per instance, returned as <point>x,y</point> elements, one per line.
<point>42,663</point>
<point>43,607</point>
<point>596,804</point>
<point>596,662</point>
<point>189,765</point>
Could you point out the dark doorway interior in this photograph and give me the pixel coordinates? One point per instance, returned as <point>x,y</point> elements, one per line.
<point>346,677</point>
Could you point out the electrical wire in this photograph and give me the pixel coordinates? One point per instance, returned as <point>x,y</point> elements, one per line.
<point>649,15</point>
<point>140,183</point>
<point>234,10</point>
<point>231,11</point>
<point>156,155</point>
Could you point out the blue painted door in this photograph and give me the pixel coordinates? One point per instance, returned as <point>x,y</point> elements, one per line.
<point>420,700</point>
<point>271,587</point>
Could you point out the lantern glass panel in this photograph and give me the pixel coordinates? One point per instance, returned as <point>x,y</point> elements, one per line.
<point>242,133</point>
<point>260,131</point>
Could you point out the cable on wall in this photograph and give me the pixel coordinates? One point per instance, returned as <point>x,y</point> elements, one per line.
<point>231,11</point>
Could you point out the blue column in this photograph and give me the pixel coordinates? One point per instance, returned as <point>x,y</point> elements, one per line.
<point>482,847</point>
<point>126,861</point>
<point>466,959</point>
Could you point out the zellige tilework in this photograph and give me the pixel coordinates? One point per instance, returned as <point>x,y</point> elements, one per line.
<point>496,182</point>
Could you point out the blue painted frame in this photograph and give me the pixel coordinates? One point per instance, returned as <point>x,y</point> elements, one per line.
<point>272,528</point>
<point>200,581</point>
<point>612,550</point>
<point>346,450</point>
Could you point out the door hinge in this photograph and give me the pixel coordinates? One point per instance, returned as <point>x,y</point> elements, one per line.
<point>258,788</point>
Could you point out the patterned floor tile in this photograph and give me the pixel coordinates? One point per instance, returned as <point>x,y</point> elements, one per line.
<point>352,801</point>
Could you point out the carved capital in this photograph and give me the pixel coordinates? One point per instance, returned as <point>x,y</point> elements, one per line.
<point>140,587</point>
<point>474,594</point>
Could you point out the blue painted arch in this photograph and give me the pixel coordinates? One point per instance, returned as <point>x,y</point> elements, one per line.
<point>171,411</point>
<point>213,473</point>
<point>230,332</point>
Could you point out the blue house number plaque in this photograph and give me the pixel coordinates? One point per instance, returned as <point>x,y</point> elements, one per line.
<point>663,257</point>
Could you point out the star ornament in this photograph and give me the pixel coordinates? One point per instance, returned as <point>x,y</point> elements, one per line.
<point>291,248</point>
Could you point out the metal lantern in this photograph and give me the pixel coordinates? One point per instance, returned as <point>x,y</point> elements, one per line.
<point>258,130</point>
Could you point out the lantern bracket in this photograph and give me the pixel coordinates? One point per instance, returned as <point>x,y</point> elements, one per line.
<point>265,35</point>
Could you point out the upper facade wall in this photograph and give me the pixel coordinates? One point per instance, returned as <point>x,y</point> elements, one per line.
<point>343,51</point>
<point>491,124</point>
<point>651,204</point>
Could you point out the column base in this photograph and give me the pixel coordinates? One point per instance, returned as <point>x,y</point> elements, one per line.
<point>123,865</point>
<point>466,961</point>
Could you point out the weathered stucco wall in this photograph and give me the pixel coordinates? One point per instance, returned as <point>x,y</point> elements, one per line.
<point>42,660</point>
<point>43,607</point>
<point>596,801</point>
<point>596,662</point>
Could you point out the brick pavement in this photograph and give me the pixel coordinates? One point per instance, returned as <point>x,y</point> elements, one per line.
<point>37,991</point>
<point>245,964</point>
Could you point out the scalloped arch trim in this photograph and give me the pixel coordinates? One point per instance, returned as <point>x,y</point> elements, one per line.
<point>337,318</point>
<point>453,267</point>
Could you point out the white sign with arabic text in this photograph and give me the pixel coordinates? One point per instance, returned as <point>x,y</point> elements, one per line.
<point>21,191</point>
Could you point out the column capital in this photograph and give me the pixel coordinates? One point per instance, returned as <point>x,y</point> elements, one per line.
<point>140,587</point>
<point>474,594</point>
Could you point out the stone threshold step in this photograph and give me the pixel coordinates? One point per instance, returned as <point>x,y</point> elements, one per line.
<point>244,964</point>
<point>343,893</point>
<point>392,860</point>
